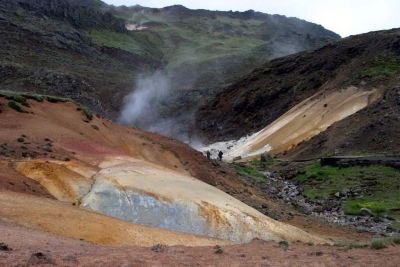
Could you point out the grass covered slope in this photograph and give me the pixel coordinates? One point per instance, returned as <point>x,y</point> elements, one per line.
<point>377,187</point>
<point>194,36</point>
<point>206,50</point>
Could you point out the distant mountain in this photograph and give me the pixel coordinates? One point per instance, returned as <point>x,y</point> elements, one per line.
<point>93,53</point>
<point>285,88</point>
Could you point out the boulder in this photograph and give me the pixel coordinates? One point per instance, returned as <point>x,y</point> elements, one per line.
<point>365,212</point>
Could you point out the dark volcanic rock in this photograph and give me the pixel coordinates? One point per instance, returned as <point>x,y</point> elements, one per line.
<point>40,258</point>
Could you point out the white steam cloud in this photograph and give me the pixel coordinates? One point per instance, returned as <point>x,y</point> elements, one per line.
<point>143,108</point>
<point>138,105</point>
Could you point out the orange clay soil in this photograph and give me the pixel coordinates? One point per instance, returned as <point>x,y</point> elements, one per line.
<point>78,223</point>
<point>72,136</point>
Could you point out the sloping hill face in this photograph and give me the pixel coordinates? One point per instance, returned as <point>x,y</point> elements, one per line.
<point>92,53</point>
<point>84,161</point>
<point>266,97</point>
<point>45,49</point>
<point>206,50</point>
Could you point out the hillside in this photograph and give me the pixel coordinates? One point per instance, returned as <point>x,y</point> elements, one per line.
<point>206,50</point>
<point>94,53</point>
<point>75,187</point>
<point>290,101</point>
<point>90,163</point>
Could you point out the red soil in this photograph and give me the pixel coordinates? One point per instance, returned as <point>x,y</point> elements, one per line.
<point>68,252</point>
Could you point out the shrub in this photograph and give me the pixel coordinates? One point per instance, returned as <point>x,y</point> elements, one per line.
<point>14,105</point>
<point>55,99</point>
<point>347,245</point>
<point>378,243</point>
<point>87,112</point>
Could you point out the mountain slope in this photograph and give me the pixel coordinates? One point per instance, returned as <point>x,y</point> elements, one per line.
<point>367,62</point>
<point>83,49</point>
<point>45,49</point>
<point>206,50</point>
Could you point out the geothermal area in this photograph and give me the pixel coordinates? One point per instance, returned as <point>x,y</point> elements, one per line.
<point>135,136</point>
<point>107,186</point>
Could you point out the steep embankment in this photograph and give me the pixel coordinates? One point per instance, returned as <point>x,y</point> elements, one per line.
<point>125,173</point>
<point>298,97</point>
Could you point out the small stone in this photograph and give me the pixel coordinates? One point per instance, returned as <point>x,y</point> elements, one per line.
<point>218,250</point>
<point>70,258</point>
<point>4,247</point>
<point>284,245</point>
<point>319,253</point>
<point>365,212</point>
<point>159,248</point>
<point>47,148</point>
<point>21,140</point>
<point>40,258</point>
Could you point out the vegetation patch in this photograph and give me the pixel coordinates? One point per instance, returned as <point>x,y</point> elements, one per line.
<point>16,99</point>
<point>22,97</point>
<point>381,67</point>
<point>379,186</point>
<point>380,243</point>
<point>86,111</point>
<point>375,243</point>
<point>262,164</point>
<point>15,106</point>
<point>347,245</point>
<point>248,170</point>
<point>123,41</point>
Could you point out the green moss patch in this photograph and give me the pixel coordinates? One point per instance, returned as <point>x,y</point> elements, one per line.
<point>381,67</point>
<point>380,186</point>
<point>251,171</point>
